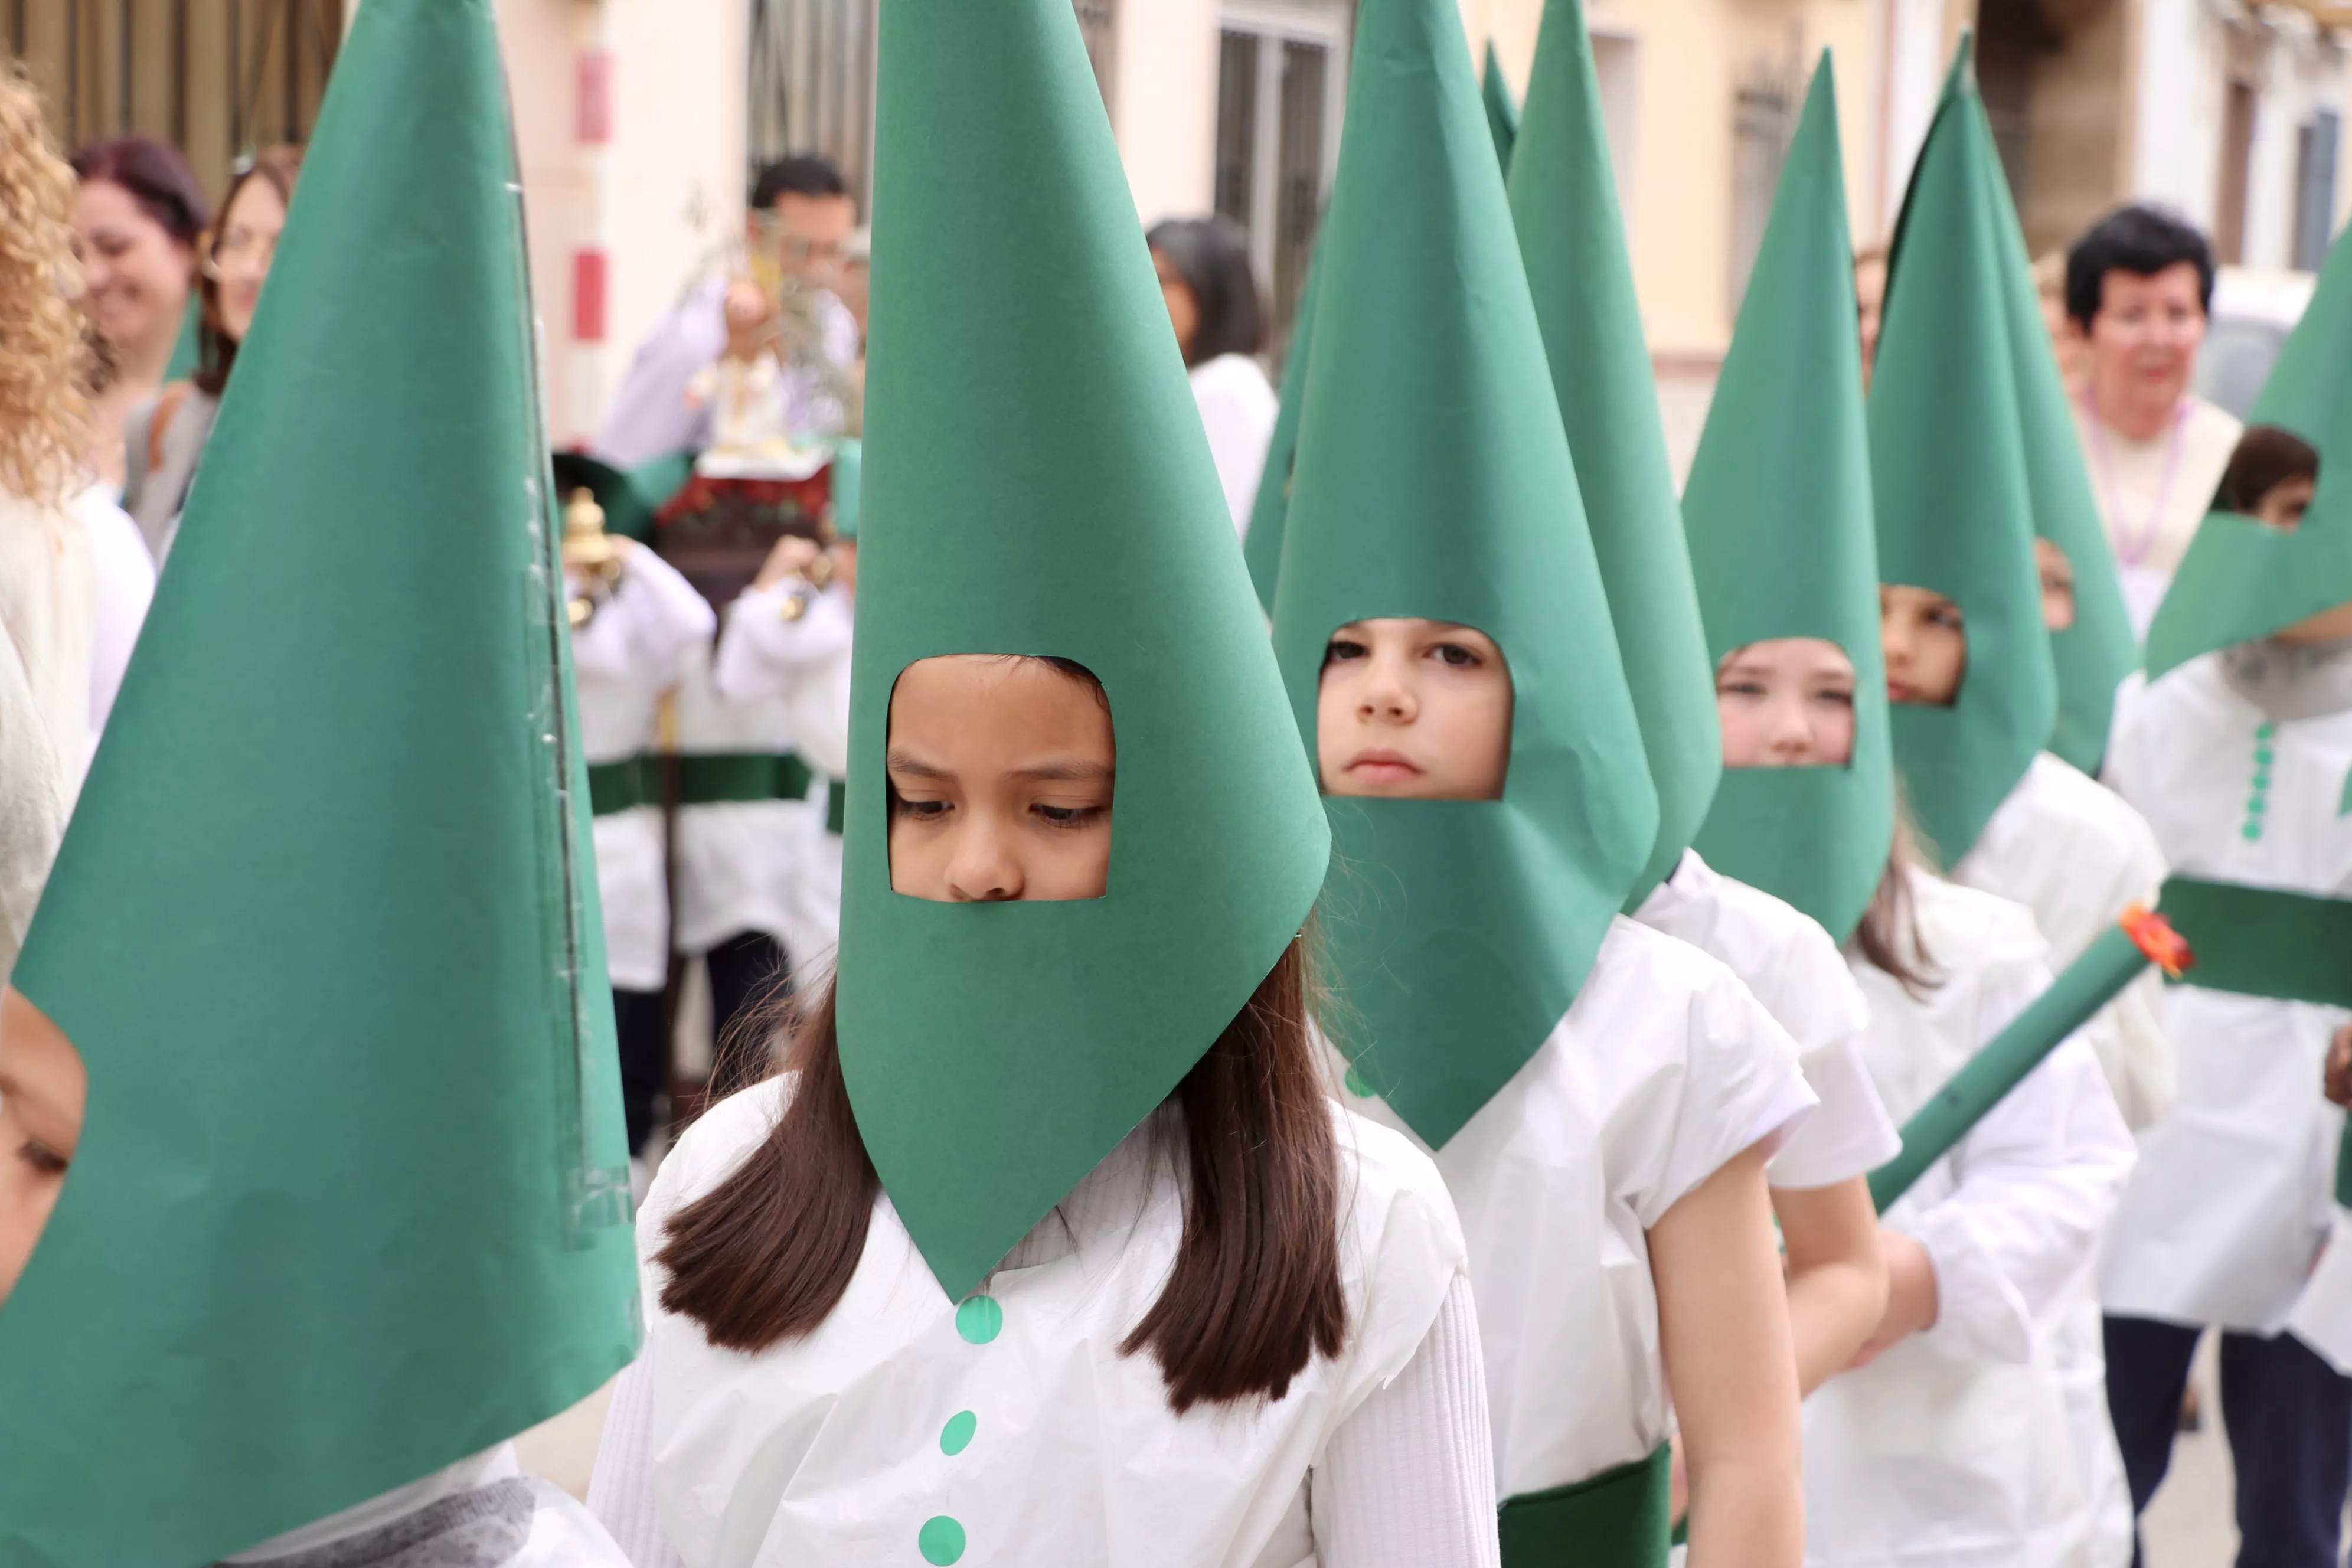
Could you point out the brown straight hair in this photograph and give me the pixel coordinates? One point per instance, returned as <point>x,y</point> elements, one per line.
<point>1888,935</point>
<point>1255,1294</point>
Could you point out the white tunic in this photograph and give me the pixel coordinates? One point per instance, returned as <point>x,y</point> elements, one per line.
<point>123,576</point>
<point>1953,1448</point>
<point>562,1535</point>
<point>2076,854</point>
<point>48,608</point>
<point>1238,408</point>
<point>2233,1198</point>
<point>803,663</point>
<point>1664,1069</point>
<point>1793,967</point>
<point>1015,1418</point>
<point>2152,494</point>
<point>738,860</point>
<point>630,654</point>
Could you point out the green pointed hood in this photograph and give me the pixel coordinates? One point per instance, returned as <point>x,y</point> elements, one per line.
<point>995,1053</point>
<point>2092,656</point>
<point>1955,508</point>
<point>1263,548</point>
<point>1779,510</point>
<point>350,1201</point>
<point>1502,114</point>
<point>1433,479</point>
<point>2241,580</point>
<point>1572,237</point>
<point>848,485</point>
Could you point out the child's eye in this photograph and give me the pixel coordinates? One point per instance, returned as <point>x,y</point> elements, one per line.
<point>1069,817</point>
<point>1739,689</point>
<point>1835,698</point>
<point>1944,615</point>
<point>920,810</point>
<point>42,1158</point>
<point>1455,654</point>
<point>1342,648</point>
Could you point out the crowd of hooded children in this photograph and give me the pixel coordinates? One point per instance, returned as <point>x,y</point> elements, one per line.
<point>1416,1088</point>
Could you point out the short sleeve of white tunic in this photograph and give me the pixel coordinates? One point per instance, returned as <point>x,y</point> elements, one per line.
<point>1664,1069</point>
<point>1011,1423</point>
<point>1794,968</point>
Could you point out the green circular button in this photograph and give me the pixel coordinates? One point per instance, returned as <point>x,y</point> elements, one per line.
<point>2261,778</point>
<point>2262,756</point>
<point>2264,732</point>
<point>941,1541</point>
<point>2256,806</point>
<point>956,1435</point>
<point>980,1319</point>
<point>1357,1086</point>
<point>2252,831</point>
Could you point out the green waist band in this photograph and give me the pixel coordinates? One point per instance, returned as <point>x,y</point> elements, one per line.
<point>709,778</point>
<point>2261,941</point>
<point>1618,1519</point>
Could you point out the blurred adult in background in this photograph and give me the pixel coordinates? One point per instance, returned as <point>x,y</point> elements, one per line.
<point>801,220</point>
<point>163,441</point>
<point>137,223</point>
<point>1213,303</point>
<point>1870,296</point>
<point>2139,287</point>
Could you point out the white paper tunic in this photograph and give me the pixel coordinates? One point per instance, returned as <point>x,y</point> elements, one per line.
<point>1011,1423</point>
<point>1664,1069</point>
<point>2076,854</point>
<point>1953,1450</point>
<point>804,665</point>
<point>1238,409</point>
<point>738,860</point>
<point>629,654</point>
<point>2233,1199</point>
<point>1793,967</point>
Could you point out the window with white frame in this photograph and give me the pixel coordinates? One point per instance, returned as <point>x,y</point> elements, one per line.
<point>1282,87</point>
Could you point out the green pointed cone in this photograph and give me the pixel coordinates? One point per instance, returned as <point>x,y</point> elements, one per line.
<point>2239,580</point>
<point>1572,237</point>
<point>351,1200</point>
<point>1779,510</point>
<point>2092,655</point>
<point>1955,507</point>
<point>995,1052</point>
<point>1502,114</point>
<point>1268,513</point>
<point>1433,479</point>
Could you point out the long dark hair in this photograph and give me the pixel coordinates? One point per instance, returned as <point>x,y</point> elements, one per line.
<point>1212,255</point>
<point>1253,1297</point>
<point>216,351</point>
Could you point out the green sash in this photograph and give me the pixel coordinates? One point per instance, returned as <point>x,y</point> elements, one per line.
<point>1618,1519</point>
<point>2262,942</point>
<point>709,778</point>
<point>617,786</point>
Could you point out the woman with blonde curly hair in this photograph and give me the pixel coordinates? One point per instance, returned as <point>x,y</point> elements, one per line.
<point>73,582</point>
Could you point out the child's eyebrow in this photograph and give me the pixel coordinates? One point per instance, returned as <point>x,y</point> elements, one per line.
<point>900,761</point>
<point>1074,770</point>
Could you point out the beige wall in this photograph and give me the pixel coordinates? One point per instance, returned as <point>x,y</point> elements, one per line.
<point>1164,104</point>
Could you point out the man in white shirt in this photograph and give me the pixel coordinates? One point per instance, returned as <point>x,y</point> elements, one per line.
<point>814,217</point>
<point>2139,285</point>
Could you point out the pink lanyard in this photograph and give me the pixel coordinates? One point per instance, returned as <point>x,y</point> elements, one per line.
<point>2131,551</point>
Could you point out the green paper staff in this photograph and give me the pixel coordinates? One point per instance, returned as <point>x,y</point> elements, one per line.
<point>1434,480</point>
<point>2242,580</point>
<point>1502,114</point>
<point>995,1052</point>
<point>1573,237</point>
<point>1781,540</point>
<point>350,1201</point>
<point>1953,500</point>
<point>2115,958</point>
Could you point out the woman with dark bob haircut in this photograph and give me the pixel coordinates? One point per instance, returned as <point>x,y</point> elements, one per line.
<point>1213,303</point>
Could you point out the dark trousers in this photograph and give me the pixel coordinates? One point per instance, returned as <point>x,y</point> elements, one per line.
<point>747,971</point>
<point>2289,1418</point>
<point>642,1022</point>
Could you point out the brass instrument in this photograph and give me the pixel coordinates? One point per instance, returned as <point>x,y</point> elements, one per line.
<point>591,553</point>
